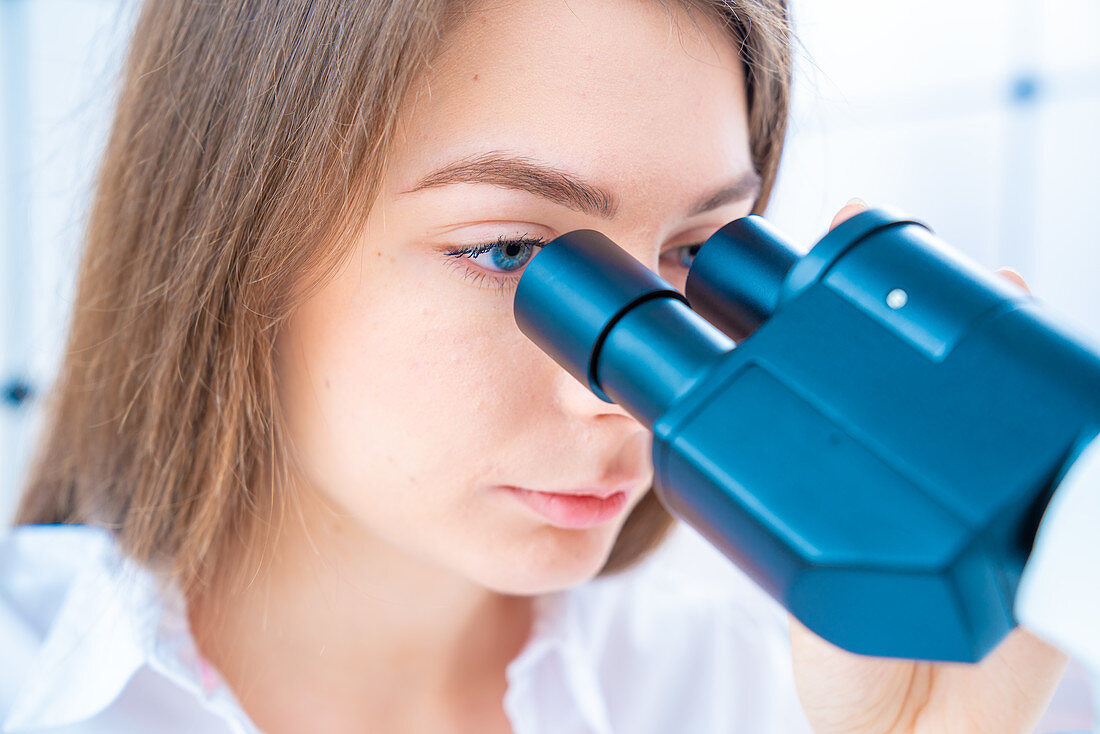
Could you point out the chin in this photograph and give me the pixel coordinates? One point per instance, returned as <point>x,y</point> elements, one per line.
<point>551,560</point>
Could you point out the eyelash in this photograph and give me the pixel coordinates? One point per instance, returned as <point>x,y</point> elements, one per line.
<point>503,279</point>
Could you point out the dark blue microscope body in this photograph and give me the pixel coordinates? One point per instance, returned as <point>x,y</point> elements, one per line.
<point>871,431</point>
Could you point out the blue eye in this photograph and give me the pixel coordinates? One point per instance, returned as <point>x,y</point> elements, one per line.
<point>498,260</point>
<point>685,255</point>
<point>501,260</point>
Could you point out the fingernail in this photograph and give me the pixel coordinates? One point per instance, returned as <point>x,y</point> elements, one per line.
<point>855,200</point>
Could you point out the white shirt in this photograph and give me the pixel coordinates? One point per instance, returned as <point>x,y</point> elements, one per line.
<point>91,643</point>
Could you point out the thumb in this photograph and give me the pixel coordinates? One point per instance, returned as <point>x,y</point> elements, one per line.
<point>849,210</point>
<point>1012,275</point>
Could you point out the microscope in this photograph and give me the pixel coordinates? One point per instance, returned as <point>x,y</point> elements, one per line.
<point>872,431</point>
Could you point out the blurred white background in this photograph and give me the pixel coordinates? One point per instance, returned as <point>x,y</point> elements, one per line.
<point>981,118</point>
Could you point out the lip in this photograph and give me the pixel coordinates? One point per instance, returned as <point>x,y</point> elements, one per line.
<point>574,509</point>
<point>595,491</point>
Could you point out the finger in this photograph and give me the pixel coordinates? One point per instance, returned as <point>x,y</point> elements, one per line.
<point>853,207</point>
<point>1010,274</point>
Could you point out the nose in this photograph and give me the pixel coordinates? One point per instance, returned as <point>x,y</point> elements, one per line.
<point>577,400</point>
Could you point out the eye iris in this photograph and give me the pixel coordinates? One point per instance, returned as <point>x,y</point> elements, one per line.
<point>510,255</point>
<point>688,255</point>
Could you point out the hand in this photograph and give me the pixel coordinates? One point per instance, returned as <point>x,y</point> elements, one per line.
<point>846,693</point>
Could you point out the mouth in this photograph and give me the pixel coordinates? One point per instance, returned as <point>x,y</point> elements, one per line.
<point>572,510</point>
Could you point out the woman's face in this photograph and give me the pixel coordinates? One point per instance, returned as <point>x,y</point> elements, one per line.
<point>412,397</point>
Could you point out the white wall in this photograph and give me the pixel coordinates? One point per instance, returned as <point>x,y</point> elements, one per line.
<point>58,59</point>
<point>981,118</point>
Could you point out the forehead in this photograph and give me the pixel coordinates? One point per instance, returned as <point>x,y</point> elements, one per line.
<point>628,92</point>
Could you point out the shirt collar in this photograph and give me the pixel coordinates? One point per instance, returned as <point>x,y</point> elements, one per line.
<point>116,617</point>
<point>560,630</point>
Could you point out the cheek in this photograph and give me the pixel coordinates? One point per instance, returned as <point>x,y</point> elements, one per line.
<point>401,395</point>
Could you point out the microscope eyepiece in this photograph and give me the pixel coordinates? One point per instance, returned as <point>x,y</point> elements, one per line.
<point>737,276</point>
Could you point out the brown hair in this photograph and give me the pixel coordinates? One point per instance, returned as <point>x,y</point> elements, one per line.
<point>246,148</point>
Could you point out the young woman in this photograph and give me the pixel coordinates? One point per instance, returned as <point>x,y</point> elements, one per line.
<point>308,470</point>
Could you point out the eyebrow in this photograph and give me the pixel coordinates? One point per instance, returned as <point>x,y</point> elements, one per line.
<point>562,187</point>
